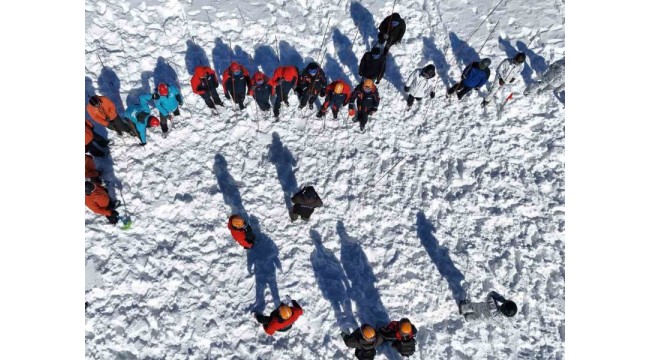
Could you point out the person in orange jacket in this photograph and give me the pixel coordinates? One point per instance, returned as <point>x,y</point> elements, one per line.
<point>241,231</point>
<point>91,171</point>
<point>94,141</point>
<point>98,201</point>
<point>236,83</point>
<point>280,319</point>
<point>102,110</point>
<point>285,79</point>
<point>205,83</point>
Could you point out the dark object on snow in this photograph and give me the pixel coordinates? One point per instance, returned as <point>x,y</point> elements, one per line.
<point>474,76</point>
<point>280,319</point>
<point>372,65</point>
<point>304,203</point>
<point>402,336</point>
<point>365,341</point>
<point>391,31</point>
<point>495,306</point>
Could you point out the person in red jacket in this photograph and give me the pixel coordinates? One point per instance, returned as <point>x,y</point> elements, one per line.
<point>337,95</point>
<point>91,171</point>
<point>402,336</point>
<point>205,83</point>
<point>280,319</point>
<point>94,141</point>
<point>236,83</point>
<point>241,231</point>
<point>98,201</point>
<point>285,79</point>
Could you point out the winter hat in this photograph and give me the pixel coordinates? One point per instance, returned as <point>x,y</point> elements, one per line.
<point>508,308</point>
<point>90,187</point>
<point>285,312</point>
<point>94,101</point>
<point>429,71</point>
<point>520,58</point>
<point>163,89</point>
<point>367,332</point>
<point>485,63</point>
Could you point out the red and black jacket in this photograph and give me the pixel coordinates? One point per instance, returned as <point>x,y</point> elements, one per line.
<point>277,324</point>
<point>336,101</point>
<point>366,101</point>
<point>236,85</point>
<point>244,237</point>
<point>203,79</point>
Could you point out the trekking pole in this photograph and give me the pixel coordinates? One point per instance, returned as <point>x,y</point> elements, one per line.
<point>490,13</point>
<point>488,38</point>
<point>323,41</point>
<point>232,80</point>
<point>210,23</point>
<point>386,173</point>
<point>277,48</point>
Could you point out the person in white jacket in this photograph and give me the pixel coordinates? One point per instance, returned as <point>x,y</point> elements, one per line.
<point>507,73</point>
<point>419,83</point>
<point>553,78</point>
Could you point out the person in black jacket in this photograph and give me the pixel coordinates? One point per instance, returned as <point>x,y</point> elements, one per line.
<point>364,340</point>
<point>261,91</point>
<point>391,31</point>
<point>366,96</point>
<point>372,65</point>
<point>402,336</point>
<point>311,83</point>
<point>304,203</point>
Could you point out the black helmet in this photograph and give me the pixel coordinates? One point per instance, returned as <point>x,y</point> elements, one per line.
<point>508,308</point>
<point>312,65</point>
<point>376,51</point>
<point>429,71</point>
<point>94,101</point>
<point>520,58</point>
<point>89,187</point>
<point>485,63</point>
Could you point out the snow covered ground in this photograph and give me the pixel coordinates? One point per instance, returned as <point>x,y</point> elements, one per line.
<point>423,209</point>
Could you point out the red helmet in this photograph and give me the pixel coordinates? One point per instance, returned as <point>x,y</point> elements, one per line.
<point>258,78</point>
<point>154,122</point>
<point>235,67</point>
<point>163,89</point>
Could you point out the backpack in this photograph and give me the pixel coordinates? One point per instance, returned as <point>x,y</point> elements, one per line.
<point>406,347</point>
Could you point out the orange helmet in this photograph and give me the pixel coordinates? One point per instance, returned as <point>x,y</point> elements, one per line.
<point>338,88</point>
<point>405,327</point>
<point>237,221</point>
<point>285,312</point>
<point>367,332</point>
<point>367,84</point>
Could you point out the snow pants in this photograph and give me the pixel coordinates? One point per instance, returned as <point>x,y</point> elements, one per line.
<point>410,100</point>
<point>281,96</point>
<point>459,89</point>
<point>98,142</point>
<point>211,97</point>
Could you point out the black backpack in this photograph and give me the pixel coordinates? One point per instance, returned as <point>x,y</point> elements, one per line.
<point>406,347</point>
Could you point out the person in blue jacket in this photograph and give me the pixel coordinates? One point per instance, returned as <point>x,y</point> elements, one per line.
<point>167,99</point>
<point>140,116</point>
<point>474,76</point>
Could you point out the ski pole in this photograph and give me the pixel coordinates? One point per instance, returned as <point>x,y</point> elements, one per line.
<point>490,13</point>
<point>323,41</point>
<point>488,38</point>
<point>386,173</point>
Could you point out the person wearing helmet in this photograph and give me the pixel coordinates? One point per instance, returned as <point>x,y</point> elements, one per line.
<point>494,307</point>
<point>372,65</point>
<point>205,83</point>
<point>367,101</point>
<point>365,340</point>
<point>99,202</point>
<point>236,83</point>
<point>391,31</point>
<point>241,231</point>
<point>285,79</point>
<point>553,78</point>
<point>304,202</point>
<point>506,74</point>
<point>102,110</point>
<point>140,116</point>
<point>261,91</point>
<point>311,83</point>
<point>419,84</point>
<point>167,99</point>
<point>402,336</point>
<point>280,319</point>
<point>91,170</point>
<point>474,76</point>
<point>94,141</point>
<point>337,95</point>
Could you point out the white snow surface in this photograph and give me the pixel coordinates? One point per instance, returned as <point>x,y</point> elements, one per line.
<point>424,207</point>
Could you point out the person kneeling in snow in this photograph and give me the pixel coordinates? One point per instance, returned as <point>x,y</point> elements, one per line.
<point>304,203</point>
<point>280,319</point>
<point>402,335</point>
<point>140,116</point>
<point>419,83</point>
<point>365,340</point>
<point>494,307</point>
<point>98,201</point>
<point>167,99</point>
<point>241,231</point>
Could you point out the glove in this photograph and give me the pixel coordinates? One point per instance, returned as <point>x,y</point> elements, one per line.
<point>377,82</point>
<point>432,94</point>
<point>513,80</point>
<point>322,92</point>
<point>113,217</point>
<point>227,96</point>
<point>406,88</point>
<point>385,36</point>
<point>373,111</point>
<point>351,112</point>
<point>501,82</point>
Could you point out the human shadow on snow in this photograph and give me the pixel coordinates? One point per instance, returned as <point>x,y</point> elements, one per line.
<point>262,261</point>
<point>431,52</point>
<point>108,84</point>
<point>222,55</point>
<point>440,257</point>
<point>227,186</point>
<point>345,52</point>
<point>163,72</point>
<point>134,94</point>
<point>332,281</point>
<point>537,63</point>
<point>290,56</point>
<point>365,22</point>
<point>266,58</point>
<point>280,156</point>
<point>334,70</point>
<point>463,52</point>
<point>393,74</point>
<point>195,56</point>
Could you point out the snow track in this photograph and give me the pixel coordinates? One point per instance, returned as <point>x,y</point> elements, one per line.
<point>467,204</point>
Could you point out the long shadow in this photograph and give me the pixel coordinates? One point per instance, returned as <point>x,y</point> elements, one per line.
<point>393,74</point>
<point>431,52</point>
<point>344,50</point>
<point>463,52</point>
<point>537,63</point>
<point>440,256</point>
<point>227,186</point>
<point>290,56</point>
<point>105,164</point>
<point>163,72</point>
<point>280,156</point>
<point>133,97</point>
<point>266,58</point>
<point>89,91</point>
<point>332,281</point>
<point>195,56</point>
<point>364,20</point>
<point>221,55</point>
<point>334,70</point>
<point>262,260</point>
<point>242,57</point>
<point>108,84</point>
<point>370,308</point>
